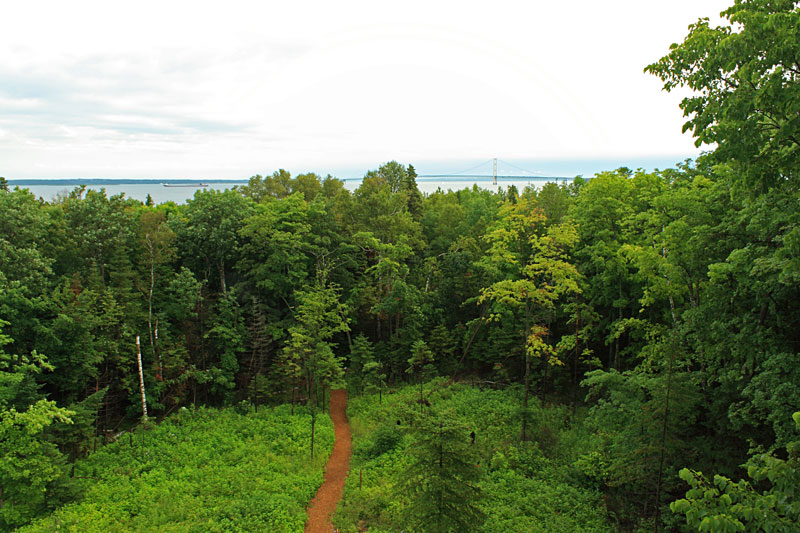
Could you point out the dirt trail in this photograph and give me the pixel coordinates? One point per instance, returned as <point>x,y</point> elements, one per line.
<point>321,508</point>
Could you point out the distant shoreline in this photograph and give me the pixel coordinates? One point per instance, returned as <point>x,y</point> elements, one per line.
<point>109,181</point>
<point>89,182</point>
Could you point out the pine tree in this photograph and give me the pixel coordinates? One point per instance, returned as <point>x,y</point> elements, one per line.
<point>441,483</point>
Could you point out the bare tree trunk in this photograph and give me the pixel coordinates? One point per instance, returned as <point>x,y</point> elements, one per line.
<point>141,380</point>
<point>221,268</point>
<point>158,352</point>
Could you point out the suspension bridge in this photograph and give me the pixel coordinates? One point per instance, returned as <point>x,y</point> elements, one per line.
<point>469,173</point>
<point>486,170</point>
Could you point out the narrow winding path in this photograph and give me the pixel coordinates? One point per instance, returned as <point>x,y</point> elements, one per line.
<point>321,508</point>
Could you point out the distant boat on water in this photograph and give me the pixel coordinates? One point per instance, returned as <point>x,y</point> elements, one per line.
<point>185,184</point>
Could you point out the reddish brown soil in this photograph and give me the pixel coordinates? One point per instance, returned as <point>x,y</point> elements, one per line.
<point>321,508</point>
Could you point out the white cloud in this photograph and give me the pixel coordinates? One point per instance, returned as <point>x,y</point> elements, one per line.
<point>182,89</point>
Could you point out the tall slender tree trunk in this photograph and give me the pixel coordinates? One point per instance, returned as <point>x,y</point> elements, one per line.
<point>141,380</point>
<point>158,353</point>
<point>221,268</point>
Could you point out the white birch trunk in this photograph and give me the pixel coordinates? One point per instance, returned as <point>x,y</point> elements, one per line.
<point>141,379</point>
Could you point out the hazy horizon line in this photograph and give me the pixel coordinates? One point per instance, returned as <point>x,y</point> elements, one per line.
<point>561,167</point>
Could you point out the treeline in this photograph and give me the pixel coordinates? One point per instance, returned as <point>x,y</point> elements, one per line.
<point>639,285</point>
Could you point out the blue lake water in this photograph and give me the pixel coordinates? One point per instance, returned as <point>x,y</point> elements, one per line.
<point>179,195</point>
<point>137,191</point>
<point>352,176</point>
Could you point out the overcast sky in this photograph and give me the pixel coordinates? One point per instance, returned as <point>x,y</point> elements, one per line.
<point>198,89</point>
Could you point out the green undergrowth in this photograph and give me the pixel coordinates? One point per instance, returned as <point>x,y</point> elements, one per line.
<point>531,486</point>
<point>201,471</point>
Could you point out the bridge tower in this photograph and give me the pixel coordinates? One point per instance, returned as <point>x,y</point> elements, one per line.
<point>494,171</point>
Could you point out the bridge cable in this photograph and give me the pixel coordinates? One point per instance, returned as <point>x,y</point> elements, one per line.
<point>540,174</point>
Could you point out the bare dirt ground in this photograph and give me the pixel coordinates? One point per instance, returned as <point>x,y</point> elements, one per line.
<point>321,508</point>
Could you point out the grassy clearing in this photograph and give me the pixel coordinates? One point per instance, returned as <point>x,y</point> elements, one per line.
<point>201,471</point>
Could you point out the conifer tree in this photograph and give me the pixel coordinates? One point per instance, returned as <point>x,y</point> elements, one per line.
<point>441,483</point>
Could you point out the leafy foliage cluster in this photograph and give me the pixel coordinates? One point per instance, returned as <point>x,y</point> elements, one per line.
<point>725,505</point>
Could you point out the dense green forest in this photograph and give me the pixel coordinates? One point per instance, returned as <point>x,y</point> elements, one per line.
<point>624,349</point>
